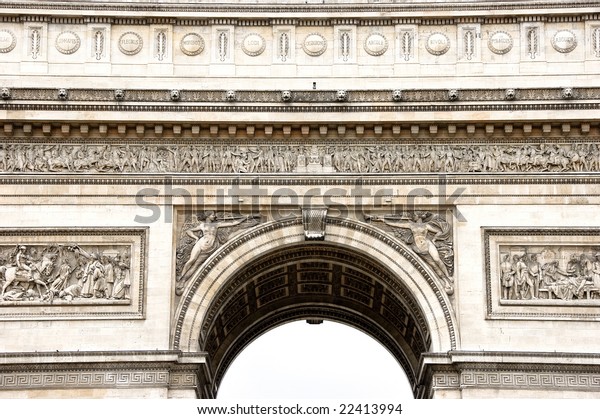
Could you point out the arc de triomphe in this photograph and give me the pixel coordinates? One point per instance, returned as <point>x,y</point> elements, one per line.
<point>179,177</point>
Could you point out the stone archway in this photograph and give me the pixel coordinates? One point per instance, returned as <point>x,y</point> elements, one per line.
<point>271,275</point>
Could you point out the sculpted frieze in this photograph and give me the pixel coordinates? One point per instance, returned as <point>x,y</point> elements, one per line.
<point>298,158</point>
<point>542,273</point>
<point>64,273</point>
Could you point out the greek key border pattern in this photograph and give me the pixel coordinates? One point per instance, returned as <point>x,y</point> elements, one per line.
<point>82,379</point>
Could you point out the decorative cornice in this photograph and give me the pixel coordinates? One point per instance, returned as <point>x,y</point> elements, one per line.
<point>19,96</point>
<point>482,7</point>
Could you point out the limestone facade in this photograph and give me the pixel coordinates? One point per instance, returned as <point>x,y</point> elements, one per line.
<point>180,177</point>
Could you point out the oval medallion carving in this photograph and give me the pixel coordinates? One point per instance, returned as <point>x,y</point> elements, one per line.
<point>192,44</point>
<point>130,43</point>
<point>500,42</point>
<point>8,41</point>
<point>314,44</point>
<point>253,44</point>
<point>437,43</point>
<point>376,44</point>
<point>67,42</point>
<point>564,41</point>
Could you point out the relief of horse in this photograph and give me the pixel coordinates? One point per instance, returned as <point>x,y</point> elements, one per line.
<point>40,271</point>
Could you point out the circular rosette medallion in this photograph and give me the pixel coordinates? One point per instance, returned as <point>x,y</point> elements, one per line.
<point>8,41</point>
<point>500,42</point>
<point>192,44</point>
<point>314,44</point>
<point>253,44</point>
<point>564,41</point>
<point>68,42</point>
<point>437,43</point>
<point>130,43</point>
<point>376,44</point>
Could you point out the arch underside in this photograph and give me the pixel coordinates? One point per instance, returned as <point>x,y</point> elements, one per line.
<point>314,280</point>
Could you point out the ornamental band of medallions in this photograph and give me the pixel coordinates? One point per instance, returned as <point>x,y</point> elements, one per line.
<point>65,273</point>
<point>91,156</point>
<point>543,273</point>
<point>130,40</point>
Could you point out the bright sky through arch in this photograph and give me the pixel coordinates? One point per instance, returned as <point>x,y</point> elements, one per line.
<point>326,361</point>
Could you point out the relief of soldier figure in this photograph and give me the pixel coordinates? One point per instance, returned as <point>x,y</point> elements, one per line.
<point>429,236</point>
<point>48,273</point>
<point>532,274</point>
<point>278,158</point>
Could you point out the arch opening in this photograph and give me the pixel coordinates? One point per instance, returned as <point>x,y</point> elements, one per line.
<point>314,281</point>
<point>301,360</point>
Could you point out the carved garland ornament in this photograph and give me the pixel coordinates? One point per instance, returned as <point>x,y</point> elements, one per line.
<point>8,41</point>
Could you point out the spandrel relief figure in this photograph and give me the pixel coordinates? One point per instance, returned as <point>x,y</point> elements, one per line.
<point>48,273</point>
<point>550,274</point>
<point>201,235</point>
<point>429,236</point>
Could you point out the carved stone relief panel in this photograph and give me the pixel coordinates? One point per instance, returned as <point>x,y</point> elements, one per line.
<point>222,44</point>
<point>595,41</point>
<point>36,37</point>
<point>98,41</point>
<point>469,42</point>
<point>284,44</point>
<point>65,273</point>
<point>200,235</point>
<point>532,41</point>
<point>546,273</point>
<point>344,44</point>
<point>162,40</point>
<point>428,234</point>
<point>287,157</point>
<point>407,43</point>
